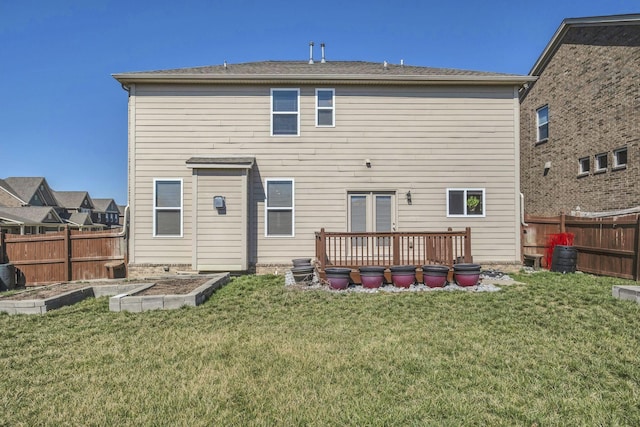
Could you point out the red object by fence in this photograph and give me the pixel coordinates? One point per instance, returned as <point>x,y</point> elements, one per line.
<point>565,239</point>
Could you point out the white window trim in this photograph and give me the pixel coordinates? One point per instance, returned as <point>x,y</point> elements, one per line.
<point>538,124</point>
<point>596,166</point>
<point>466,215</point>
<point>617,165</point>
<point>581,171</point>
<point>297,113</point>
<point>266,208</point>
<point>181,207</point>
<point>332,108</point>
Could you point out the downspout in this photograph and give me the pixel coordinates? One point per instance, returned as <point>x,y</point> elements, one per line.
<point>522,210</point>
<point>125,224</point>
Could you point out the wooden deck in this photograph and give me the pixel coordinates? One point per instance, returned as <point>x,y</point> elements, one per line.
<point>418,248</point>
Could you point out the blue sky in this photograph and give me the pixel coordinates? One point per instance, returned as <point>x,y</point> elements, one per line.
<point>65,118</point>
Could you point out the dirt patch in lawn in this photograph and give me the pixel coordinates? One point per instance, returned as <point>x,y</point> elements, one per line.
<point>174,286</point>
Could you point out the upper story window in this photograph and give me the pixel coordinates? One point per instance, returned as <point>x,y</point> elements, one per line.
<point>584,166</point>
<point>542,120</point>
<point>465,202</point>
<point>279,217</point>
<point>285,112</point>
<point>601,162</point>
<point>167,208</point>
<point>620,158</point>
<point>325,108</point>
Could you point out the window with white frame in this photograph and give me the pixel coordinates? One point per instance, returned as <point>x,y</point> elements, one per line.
<point>601,162</point>
<point>542,120</point>
<point>620,158</point>
<point>279,208</point>
<point>285,112</point>
<point>465,202</point>
<point>167,208</point>
<point>584,166</point>
<point>325,108</point>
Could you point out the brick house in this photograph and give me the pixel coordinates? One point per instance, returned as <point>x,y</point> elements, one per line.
<point>580,121</point>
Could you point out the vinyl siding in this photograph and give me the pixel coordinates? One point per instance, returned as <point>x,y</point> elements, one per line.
<point>422,139</point>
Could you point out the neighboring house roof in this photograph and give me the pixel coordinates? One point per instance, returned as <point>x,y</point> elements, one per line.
<point>30,215</point>
<point>28,190</point>
<point>8,196</point>
<point>74,199</point>
<point>330,71</point>
<point>593,21</point>
<point>80,219</point>
<point>104,205</point>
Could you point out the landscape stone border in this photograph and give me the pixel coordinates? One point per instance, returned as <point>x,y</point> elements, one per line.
<point>129,301</point>
<point>122,298</point>
<point>630,293</point>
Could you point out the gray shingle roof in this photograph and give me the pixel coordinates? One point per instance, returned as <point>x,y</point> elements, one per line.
<point>331,70</point>
<point>31,215</point>
<point>71,199</point>
<point>25,187</point>
<point>102,204</point>
<point>8,196</point>
<point>332,67</point>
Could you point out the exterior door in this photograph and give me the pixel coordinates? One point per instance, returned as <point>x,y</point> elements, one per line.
<point>371,212</point>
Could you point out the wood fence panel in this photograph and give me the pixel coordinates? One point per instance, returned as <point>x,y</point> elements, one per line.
<point>65,255</point>
<point>606,246</point>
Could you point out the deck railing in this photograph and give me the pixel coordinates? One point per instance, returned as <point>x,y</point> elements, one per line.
<point>348,249</point>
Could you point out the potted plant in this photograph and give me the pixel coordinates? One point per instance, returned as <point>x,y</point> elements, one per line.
<point>338,278</point>
<point>371,276</point>
<point>472,203</point>
<point>466,274</point>
<point>403,276</point>
<point>435,276</point>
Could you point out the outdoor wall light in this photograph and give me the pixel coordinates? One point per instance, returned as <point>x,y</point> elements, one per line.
<point>408,197</point>
<point>367,163</point>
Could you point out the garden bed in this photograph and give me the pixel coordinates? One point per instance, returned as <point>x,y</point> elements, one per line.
<point>164,293</point>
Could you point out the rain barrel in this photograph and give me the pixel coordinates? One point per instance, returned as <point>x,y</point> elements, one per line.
<point>564,259</point>
<point>7,277</point>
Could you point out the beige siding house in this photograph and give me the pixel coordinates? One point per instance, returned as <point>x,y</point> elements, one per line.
<point>235,167</point>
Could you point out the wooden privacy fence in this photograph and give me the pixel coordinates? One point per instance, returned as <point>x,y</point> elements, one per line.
<point>353,250</point>
<point>63,256</point>
<point>606,246</point>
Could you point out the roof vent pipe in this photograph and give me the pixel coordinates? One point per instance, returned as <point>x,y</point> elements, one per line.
<point>385,64</point>
<point>402,62</point>
<point>322,60</point>
<point>310,52</point>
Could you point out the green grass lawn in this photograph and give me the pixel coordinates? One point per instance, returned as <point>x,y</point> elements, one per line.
<point>556,351</point>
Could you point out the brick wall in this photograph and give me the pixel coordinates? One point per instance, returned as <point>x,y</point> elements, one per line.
<point>592,88</point>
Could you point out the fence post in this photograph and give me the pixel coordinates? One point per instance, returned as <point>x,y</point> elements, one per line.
<point>396,249</point>
<point>636,248</point>
<point>3,247</point>
<point>467,245</point>
<point>67,253</point>
<point>322,247</point>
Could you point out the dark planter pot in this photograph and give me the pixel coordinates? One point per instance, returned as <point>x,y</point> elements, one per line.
<point>338,278</point>
<point>403,276</point>
<point>435,276</point>
<point>466,274</point>
<point>371,277</point>
<point>301,262</point>
<point>303,274</point>
<point>564,259</point>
